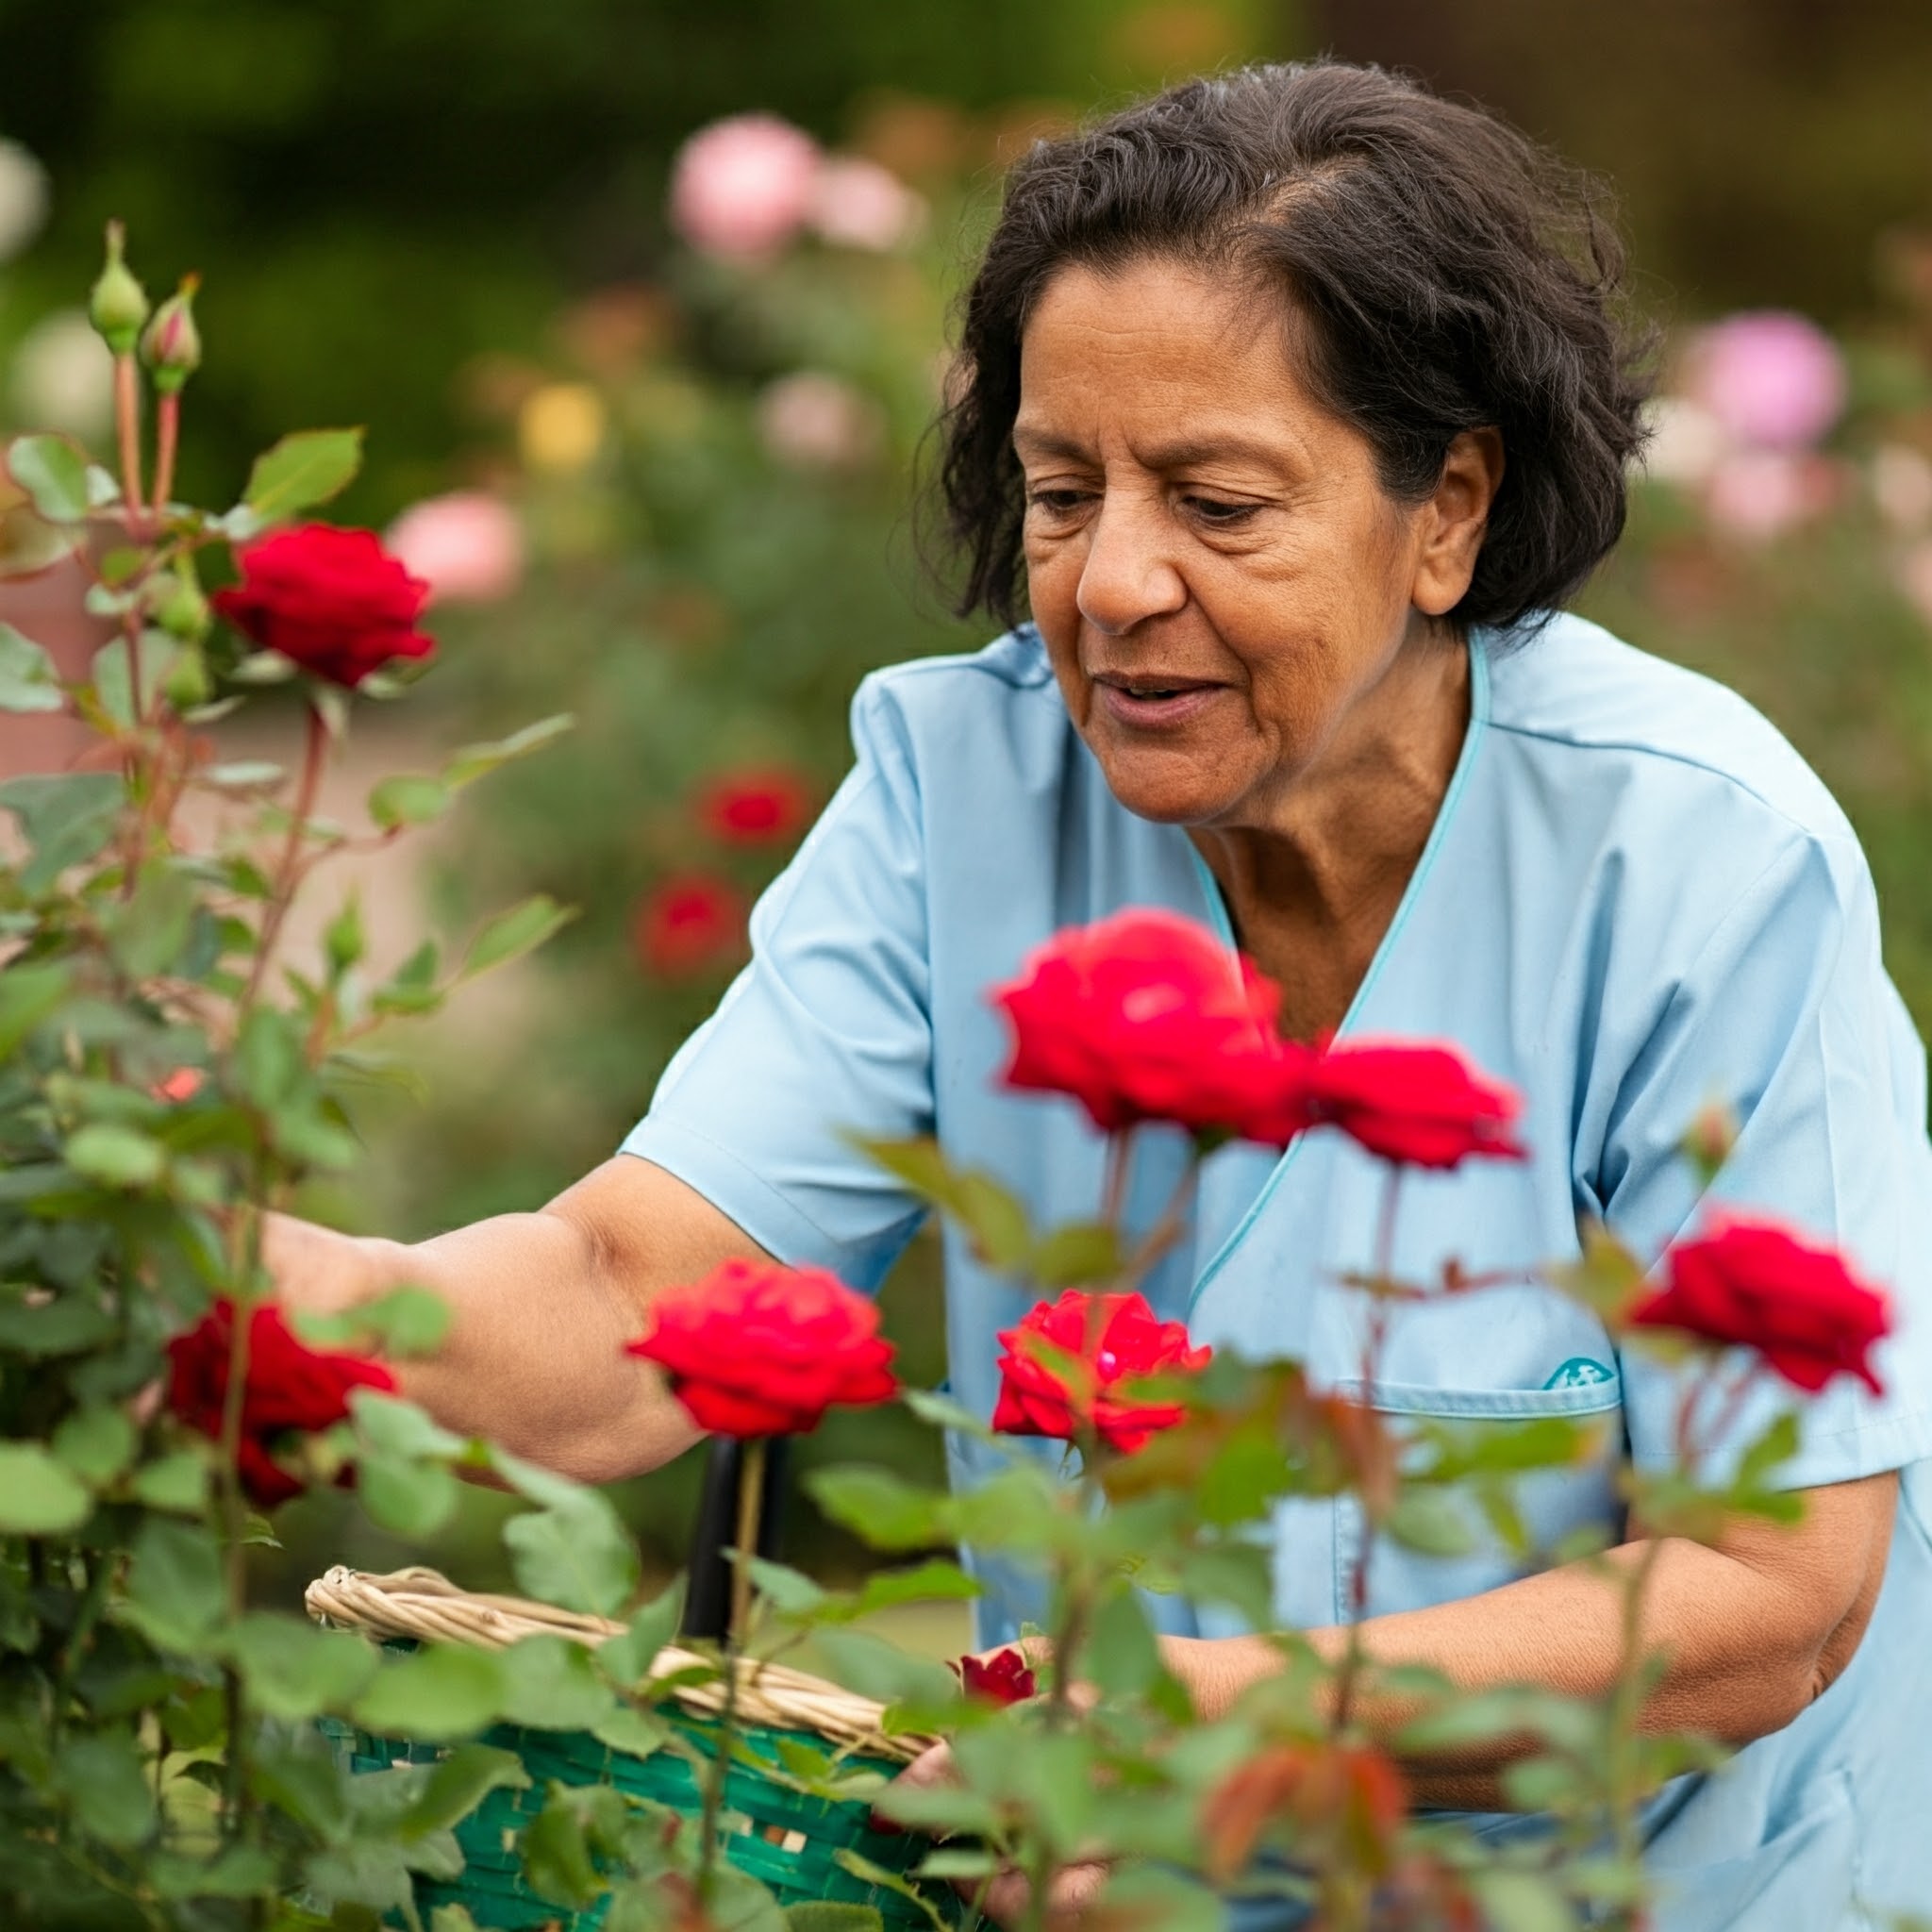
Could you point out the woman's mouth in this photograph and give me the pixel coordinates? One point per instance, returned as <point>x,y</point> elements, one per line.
<point>1153,702</point>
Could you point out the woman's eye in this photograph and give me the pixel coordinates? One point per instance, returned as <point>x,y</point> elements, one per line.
<point>1211,509</point>
<point>1057,503</point>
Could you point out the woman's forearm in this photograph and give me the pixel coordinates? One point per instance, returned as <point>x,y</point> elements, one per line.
<point>541,1306</point>
<point>1751,1632</point>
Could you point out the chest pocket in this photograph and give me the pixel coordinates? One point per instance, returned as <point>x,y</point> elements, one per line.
<point>1491,1362</point>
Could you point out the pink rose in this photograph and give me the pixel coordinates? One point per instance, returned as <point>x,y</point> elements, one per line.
<point>1759,493</point>
<point>742,187</point>
<point>1769,377</point>
<point>858,203</point>
<point>467,546</point>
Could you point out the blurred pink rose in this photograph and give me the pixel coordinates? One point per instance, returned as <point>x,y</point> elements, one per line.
<point>813,421</point>
<point>1759,493</point>
<point>1771,378</point>
<point>742,187</point>
<point>858,203</point>
<point>467,546</point>
<point>1915,576</point>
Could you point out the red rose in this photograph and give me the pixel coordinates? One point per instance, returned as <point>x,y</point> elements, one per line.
<point>763,807</point>
<point>334,601</point>
<point>291,1387</point>
<point>1098,1343</point>
<point>755,1349</point>
<point>1753,1284</point>
<point>1146,1016</point>
<point>1001,1678</point>
<point>1420,1104</point>
<point>689,925</point>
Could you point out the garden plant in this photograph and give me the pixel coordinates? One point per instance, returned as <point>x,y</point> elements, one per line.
<point>170,1749</point>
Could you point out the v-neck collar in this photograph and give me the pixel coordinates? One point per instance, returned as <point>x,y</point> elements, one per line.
<point>1216,911</point>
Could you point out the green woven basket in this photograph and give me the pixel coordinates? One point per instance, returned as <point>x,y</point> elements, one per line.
<point>789,1840</point>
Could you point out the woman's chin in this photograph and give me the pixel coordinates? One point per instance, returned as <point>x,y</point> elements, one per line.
<point>1170,798</point>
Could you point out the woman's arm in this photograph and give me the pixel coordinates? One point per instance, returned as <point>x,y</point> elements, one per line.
<point>1755,1629</point>
<point>542,1304</point>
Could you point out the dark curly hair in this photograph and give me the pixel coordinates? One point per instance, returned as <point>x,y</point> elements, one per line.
<point>1443,273</point>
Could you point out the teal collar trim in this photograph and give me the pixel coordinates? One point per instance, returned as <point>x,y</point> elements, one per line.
<point>1217,915</point>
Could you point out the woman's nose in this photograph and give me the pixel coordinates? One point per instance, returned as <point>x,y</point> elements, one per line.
<point>1127,576</point>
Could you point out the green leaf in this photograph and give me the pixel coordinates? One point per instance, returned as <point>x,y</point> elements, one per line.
<point>827,1915</point>
<point>636,1733</point>
<point>443,1690</point>
<point>307,468</point>
<point>1432,1522</point>
<point>512,934</point>
<point>471,762</point>
<point>408,799</point>
<point>888,1512</point>
<point>178,1483</point>
<point>38,1497</point>
<point>936,1581</point>
<point>459,1783</point>
<point>28,681</point>
<point>874,1668</point>
<point>939,1409</point>
<point>552,1684</point>
<point>67,1326</point>
<point>67,819</point>
<point>578,1556</point>
<point>626,1659</point>
<point>1076,1256</point>
<point>294,1669</point>
<point>788,1592</point>
<point>112,1155</point>
<point>1121,1654</point>
<point>96,1443</point>
<point>174,1585</point>
<point>403,1321</point>
<point>1775,1447</point>
<point>106,1786</point>
<point>148,933</point>
<point>557,1865</point>
<point>1515,1900</point>
<point>407,1499</point>
<point>53,472</point>
<point>393,1426</point>
<point>989,1213</point>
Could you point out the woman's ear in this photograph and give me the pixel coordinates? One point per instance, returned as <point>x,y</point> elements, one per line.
<point>1453,520</point>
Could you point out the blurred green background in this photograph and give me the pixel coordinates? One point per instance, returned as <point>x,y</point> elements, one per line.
<point>448,219</point>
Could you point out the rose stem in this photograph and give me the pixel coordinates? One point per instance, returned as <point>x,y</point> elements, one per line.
<point>315,751</point>
<point>1372,1340</point>
<point>751,1484</point>
<point>167,435</point>
<point>128,424</point>
<point>234,1555</point>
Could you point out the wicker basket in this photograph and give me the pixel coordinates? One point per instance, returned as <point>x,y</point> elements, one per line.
<point>788,1839</point>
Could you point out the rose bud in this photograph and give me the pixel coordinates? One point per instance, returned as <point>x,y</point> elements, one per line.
<point>172,346</point>
<point>179,606</point>
<point>117,306</point>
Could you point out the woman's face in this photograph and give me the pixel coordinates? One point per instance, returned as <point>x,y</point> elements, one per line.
<point>1220,579</point>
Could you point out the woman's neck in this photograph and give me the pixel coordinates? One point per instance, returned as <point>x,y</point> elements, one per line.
<point>1311,890</point>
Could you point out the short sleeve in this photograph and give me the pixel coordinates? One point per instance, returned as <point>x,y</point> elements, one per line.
<point>825,1033</point>
<point>1786,1014</point>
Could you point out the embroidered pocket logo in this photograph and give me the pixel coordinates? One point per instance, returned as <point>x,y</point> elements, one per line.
<point>1579,1372</point>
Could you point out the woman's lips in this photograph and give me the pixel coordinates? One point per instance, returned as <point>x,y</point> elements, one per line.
<point>1152,706</point>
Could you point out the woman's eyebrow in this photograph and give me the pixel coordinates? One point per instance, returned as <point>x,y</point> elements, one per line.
<point>1179,455</point>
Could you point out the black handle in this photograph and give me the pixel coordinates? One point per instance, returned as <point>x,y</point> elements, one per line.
<point>708,1601</point>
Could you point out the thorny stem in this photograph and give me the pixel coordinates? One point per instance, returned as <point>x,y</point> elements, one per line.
<point>315,753</point>
<point>234,1504</point>
<point>1349,1673</point>
<point>751,1484</point>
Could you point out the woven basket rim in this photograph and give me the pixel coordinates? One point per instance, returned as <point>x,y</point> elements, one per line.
<point>423,1604</point>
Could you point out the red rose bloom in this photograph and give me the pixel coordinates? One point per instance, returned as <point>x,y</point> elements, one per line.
<point>333,601</point>
<point>1099,1342</point>
<point>1420,1104</point>
<point>1753,1284</point>
<point>763,807</point>
<point>1001,1678</point>
<point>755,1349</point>
<point>291,1387</point>
<point>1146,1016</point>
<point>689,925</point>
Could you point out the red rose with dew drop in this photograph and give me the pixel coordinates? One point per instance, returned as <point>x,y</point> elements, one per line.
<point>1001,1678</point>
<point>756,1349</point>
<point>1416,1102</point>
<point>290,1388</point>
<point>1146,1016</point>
<point>1753,1284</point>
<point>689,925</point>
<point>1066,1370</point>
<point>761,806</point>
<point>332,601</point>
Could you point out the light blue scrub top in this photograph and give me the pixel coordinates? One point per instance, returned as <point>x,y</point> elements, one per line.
<point>1636,898</point>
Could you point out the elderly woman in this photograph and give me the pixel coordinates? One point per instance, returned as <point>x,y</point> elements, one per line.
<point>1291,406</point>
